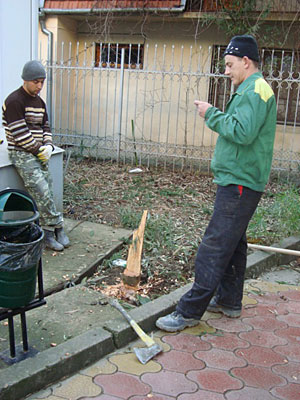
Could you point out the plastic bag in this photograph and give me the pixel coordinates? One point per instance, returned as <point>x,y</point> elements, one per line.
<point>20,247</point>
<point>20,234</point>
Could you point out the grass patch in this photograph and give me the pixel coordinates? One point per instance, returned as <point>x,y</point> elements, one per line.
<point>277,217</point>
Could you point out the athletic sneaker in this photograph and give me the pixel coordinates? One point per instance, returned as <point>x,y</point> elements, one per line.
<point>218,308</point>
<point>175,322</point>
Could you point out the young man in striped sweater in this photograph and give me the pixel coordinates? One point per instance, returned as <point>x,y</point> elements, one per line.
<point>30,147</point>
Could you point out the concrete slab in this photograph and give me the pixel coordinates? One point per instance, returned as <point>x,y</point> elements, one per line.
<point>69,313</point>
<point>90,244</point>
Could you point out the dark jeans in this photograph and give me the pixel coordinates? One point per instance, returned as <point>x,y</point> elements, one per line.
<point>222,255</point>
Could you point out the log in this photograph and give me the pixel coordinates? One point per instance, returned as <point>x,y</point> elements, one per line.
<point>274,249</point>
<point>132,273</point>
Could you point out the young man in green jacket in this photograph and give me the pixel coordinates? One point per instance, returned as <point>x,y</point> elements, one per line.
<point>241,165</point>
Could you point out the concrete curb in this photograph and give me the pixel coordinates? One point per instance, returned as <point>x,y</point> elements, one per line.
<point>260,261</point>
<point>145,316</point>
<point>54,364</point>
<point>49,366</point>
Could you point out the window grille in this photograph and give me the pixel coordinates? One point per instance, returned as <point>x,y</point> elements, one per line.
<point>281,68</point>
<point>109,55</point>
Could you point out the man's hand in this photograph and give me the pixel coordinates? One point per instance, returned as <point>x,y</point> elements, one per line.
<point>44,153</point>
<point>202,107</point>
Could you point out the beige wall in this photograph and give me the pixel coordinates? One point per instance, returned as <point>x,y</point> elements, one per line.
<point>155,117</point>
<point>63,29</point>
<point>64,42</point>
<point>288,138</point>
<point>149,93</point>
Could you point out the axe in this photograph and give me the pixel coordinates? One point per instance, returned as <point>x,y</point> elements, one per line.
<point>144,354</point>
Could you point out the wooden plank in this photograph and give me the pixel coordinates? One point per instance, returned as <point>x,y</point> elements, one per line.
<point>132,273</point>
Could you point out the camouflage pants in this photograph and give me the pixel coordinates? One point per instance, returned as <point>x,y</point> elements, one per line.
<point>38,183</point>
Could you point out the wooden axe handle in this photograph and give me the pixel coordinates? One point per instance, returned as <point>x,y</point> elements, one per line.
<point>139,331</point>
<point>274,249</point>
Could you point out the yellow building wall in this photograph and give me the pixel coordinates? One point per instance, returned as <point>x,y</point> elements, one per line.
<point>93,106</point>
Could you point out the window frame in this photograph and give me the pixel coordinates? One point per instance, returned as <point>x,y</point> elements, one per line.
<point>109,55</point>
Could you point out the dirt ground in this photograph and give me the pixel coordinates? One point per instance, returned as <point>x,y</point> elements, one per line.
<point>179,206</point>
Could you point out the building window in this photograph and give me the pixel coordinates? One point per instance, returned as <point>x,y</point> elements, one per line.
<point>281,69</point>
<point>109,55</point>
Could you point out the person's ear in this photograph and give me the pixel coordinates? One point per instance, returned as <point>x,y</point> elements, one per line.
<point>246,61</point>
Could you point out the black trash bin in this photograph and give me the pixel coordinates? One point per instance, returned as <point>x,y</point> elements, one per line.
<point>21,245</point>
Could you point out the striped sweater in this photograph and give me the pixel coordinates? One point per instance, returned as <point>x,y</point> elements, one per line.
<point>25,121</point>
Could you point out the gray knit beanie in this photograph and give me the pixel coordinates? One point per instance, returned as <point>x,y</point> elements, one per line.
<point>33,70</point>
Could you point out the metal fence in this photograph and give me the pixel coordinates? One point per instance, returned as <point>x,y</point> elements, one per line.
<point>135,103</point>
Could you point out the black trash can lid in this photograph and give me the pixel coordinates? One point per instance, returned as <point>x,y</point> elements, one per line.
<point>16,208</point>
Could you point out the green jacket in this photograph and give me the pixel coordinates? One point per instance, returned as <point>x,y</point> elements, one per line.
<point>244,149</point>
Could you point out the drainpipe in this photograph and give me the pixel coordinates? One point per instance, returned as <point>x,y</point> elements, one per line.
<point>49,67</point>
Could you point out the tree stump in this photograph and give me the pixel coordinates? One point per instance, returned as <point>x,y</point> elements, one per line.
<point>132,273</point>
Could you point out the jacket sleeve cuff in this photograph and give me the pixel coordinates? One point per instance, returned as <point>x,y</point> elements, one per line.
<point>49,144</point>
<point>208,113</point>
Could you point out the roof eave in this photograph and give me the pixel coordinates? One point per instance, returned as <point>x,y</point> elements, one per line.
<point>107,10</point>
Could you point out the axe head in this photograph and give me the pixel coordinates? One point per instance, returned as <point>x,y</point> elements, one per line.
<point>144,354</point>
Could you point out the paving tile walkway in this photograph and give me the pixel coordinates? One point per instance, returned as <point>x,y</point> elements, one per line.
<point>255,357</point>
